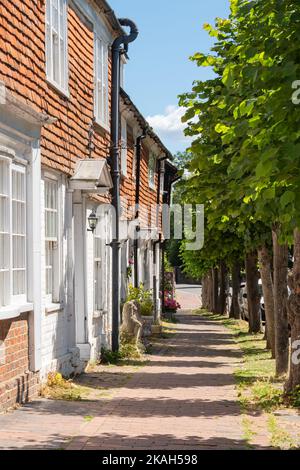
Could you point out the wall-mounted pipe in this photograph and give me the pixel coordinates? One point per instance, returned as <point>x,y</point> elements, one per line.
<point>122,40</point>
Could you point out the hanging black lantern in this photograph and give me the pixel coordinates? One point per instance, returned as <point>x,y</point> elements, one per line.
<point>92,220</point>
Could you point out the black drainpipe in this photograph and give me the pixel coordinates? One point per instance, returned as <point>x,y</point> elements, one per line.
<point>137,201</point>
<point>115,171</point>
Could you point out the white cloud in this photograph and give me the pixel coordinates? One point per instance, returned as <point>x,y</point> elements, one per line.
<point>170,129</point>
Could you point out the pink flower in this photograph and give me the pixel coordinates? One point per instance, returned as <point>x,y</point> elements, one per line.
<point>172,304</point>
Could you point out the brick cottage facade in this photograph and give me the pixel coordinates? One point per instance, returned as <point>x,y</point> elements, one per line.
<point>55,112</point>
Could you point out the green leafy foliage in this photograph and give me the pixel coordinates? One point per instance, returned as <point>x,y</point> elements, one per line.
<point>143,296</point>
<point>245,155</point>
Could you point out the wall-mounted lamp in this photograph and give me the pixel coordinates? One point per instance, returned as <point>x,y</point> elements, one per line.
<point>92,220</point>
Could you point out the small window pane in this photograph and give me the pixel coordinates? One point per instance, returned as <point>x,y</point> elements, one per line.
<point>124,146</point>
<point>52,277</point>
<point>12,231</point>
<point>152,163</point>
<point>56,41</point>
<point>18,233</point>
<point>101,80</point>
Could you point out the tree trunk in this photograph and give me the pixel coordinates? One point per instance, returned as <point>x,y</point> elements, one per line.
<point>206,291</point>
<point>280,306</point>
<point>210,292</point>
<point>235,311</point>
<point>215,296</point>
<point>253,296</point>
<point>223,288</point>
<point>294,318</point>
<point>267,286</point>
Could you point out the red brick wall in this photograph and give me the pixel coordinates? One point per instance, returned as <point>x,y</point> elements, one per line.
<point>23,70</point>
<point>17,384</point>
<point>127,185</point>
<point>148,196</point>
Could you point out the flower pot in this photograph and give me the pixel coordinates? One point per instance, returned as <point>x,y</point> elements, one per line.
<point>171,311</point>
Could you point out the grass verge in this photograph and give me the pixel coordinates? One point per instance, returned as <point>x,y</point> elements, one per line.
<point>259,391</point>
<point>258,388</point>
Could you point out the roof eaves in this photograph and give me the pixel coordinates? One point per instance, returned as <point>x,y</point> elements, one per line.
<point>144,124</point>
<point>112,18</point>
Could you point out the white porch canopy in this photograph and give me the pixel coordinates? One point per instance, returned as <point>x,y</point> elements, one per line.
<point>92,176</point>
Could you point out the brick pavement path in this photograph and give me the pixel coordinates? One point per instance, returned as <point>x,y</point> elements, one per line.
<point>183,399</point>
<point>188,296</point>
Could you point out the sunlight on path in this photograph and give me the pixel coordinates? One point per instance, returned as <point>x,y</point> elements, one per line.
<point>184,398</point>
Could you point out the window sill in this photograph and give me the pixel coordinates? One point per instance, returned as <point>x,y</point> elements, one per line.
<point>101,128</point>
<point>14,311</point>
<point>53,308</point>
<point>56,87</point>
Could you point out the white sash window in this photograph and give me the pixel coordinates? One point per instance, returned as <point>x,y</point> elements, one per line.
<point>101,263</point>
<point>124,146</point>
<point>101,81</point>
<point>56,43</point>
<point>13,283</point>
<point>52,274</point>
<point>152,166</point>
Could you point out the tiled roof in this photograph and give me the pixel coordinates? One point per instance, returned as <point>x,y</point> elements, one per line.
<point>144,124</point>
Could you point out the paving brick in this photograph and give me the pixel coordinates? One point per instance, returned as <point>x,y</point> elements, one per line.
<point>184,399</point>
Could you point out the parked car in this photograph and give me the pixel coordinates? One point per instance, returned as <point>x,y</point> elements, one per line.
<point>243,301</point>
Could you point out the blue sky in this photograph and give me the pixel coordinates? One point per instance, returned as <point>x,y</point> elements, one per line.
<point>159,68</point>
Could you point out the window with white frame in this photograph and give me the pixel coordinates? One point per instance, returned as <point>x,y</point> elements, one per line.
<point>152,166</point>
<point>56,43</point>
<point>162,178</point>
<point>101,81</point>
<point>124,273</point>
<point>52,272</point>
<point>122,70</point>
<point>124,146</point>
<point>101,264</point>
<point>134,162</point>
<point>12,233</point>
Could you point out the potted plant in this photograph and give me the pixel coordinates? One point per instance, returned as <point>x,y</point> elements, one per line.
<point>171,304</point>
<point>145,299</point>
